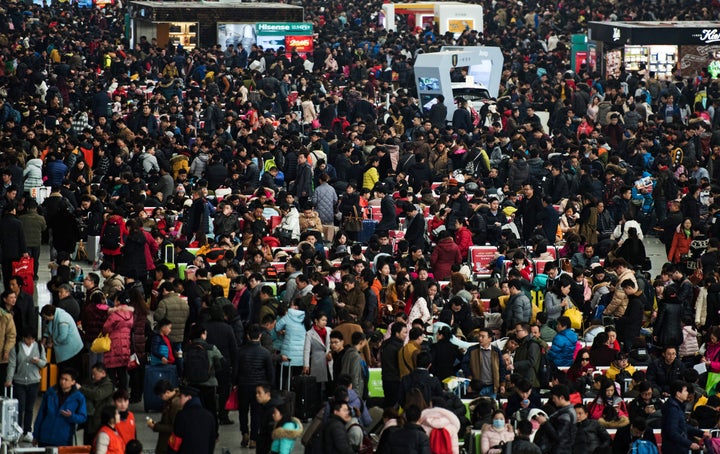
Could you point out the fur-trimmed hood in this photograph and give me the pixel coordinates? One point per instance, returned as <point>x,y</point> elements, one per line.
<point>291,430</point>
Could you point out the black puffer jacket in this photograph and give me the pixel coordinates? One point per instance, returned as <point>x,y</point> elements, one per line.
<point>409,439</point>
<point>256,363</point>
<point>335,436</point>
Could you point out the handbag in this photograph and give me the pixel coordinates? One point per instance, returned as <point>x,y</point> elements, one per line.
<point>101,344</point>
<point>133,362</point>
<point>233,401</point>
<point>575,316</point>
<point>315,124</point>
<point>284,235</point>
<point>353,223</point>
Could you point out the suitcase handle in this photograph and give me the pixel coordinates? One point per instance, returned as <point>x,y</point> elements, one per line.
<point>6,392</point>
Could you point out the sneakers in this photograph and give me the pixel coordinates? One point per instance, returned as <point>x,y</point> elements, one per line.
<point>27,438</point>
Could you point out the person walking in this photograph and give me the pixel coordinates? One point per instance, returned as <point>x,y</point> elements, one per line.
<point>195,428</point>
<point>26,361</point>
<point>258,368</point>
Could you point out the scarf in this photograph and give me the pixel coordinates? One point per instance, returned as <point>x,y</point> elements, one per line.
<point>687,233</point>
<point>322,332</point>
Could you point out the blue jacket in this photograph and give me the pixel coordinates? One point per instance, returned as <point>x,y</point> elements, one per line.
<point>54,429</point>
<point>65,336</point>
<point>563,348</point>
<point>56,171</point>
<point>676,432</point>
<point>294,341</point>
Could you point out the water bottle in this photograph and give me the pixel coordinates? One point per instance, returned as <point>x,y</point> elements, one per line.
<point>179,353</point>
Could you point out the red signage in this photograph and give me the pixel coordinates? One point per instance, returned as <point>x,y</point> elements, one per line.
<point>300,44</point>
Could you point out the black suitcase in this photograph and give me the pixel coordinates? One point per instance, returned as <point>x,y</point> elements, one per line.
<point>307,396</point>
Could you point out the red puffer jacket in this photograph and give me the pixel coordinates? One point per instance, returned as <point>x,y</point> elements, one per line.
<point>119,325</point>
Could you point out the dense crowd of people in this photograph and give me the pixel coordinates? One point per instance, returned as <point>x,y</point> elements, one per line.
<point>255,217</point>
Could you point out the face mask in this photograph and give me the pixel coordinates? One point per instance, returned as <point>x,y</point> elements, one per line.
<point>498,423</point>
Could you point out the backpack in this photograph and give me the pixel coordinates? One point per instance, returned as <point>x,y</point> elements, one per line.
<point>197,364</point>
<point>440,441</point>
<point>366,446</point>
<point>712,445</point>
<point>643,447</point>
<point>544,371</point>
<point>111,236</point>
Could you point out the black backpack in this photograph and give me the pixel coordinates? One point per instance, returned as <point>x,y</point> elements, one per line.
<point>111,236</point>
<point>197,364</point>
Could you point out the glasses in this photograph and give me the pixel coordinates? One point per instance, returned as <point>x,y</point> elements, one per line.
<point>585,359</point>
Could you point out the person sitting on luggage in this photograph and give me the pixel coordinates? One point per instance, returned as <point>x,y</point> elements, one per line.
<point>24,367</point>
<point>161,347</point>
<point>61,410</point>
<point>171,396</point>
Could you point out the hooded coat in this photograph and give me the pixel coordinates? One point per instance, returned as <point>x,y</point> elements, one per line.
<point>294,341</point>
<point>119,325</point>
<point>440,418</point>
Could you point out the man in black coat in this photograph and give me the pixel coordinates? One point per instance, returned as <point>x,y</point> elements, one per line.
<point>195,430</point>
<point>559,430</point>
<point>387,209</point>
<point>421,378</point>
<point>335,436</point>
<point>415,233</point>
<point>663,371</point>
<point>303,183</point>
<point>258,368</point>
<point>12,239</point>
<point>529,210</point>
<point>389,362</point>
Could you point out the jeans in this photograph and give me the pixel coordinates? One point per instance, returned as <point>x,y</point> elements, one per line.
<point>246,398</point>
<point>488,391</point>
<point>26,395</point>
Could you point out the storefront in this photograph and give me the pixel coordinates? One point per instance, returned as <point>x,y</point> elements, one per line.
<point>455,17</point>
<point>663,48</point>
<point>192,24</point>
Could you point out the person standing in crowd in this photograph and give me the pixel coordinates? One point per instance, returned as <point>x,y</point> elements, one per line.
<point>171,396</point>
<point>258,368</point>
<point>194,429</point>
<point>61,333</point>
<point>26,362</point>
<point>98,394</point>
<point>176,311</point>
<point>33,225</point>
<point>677,434</point>
<point>12,239</point>
<point>62,409</point>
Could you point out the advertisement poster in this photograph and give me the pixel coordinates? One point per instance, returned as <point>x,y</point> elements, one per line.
<point>236,34</point>
<point>460,25</point>
<point>297,36</point>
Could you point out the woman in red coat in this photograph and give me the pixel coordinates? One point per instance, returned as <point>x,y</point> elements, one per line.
<point>463,237</point>
<point>444,256</point>
<point>119,325</point>
<point>681,241</point>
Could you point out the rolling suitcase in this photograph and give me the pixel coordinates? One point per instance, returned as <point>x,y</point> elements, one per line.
<point>154,374</point>
<point>93,248</point>
<point>307,396</point>
<point>49,374</point>
<point>10,430</point>
<point>285,393</point>
<point>368,230</point>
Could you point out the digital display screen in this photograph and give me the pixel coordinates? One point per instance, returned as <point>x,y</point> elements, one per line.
<point>428,84</point>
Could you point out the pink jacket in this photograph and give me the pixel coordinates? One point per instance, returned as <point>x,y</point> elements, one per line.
<point>436,418</point>
<point>493,437</point>
<point>713,354</point>
<point>151,250</point>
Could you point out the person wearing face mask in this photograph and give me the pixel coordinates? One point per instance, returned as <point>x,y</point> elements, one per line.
<point>496,434</point>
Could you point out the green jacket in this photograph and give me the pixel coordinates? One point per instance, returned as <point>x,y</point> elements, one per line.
<point>97,395</point>
<point>33,225</point>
